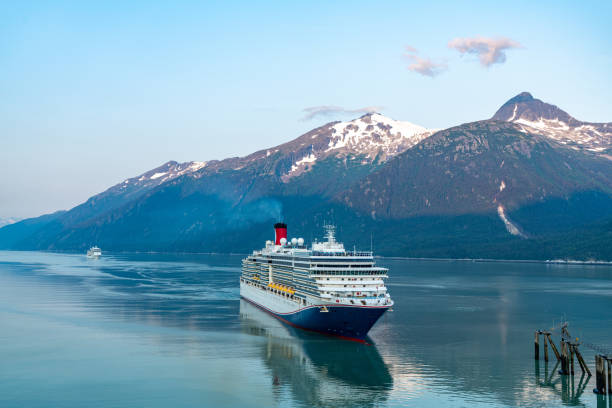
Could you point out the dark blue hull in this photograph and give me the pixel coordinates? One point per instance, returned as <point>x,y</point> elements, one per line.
<point>352,322</point>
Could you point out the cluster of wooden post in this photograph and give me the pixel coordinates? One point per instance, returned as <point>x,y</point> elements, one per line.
<point>566,355</point>
<point>600,374</point>
<point>547,341</point>
<point>569,350</point>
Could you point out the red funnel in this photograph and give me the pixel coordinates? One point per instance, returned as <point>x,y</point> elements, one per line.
<point>281,232</point>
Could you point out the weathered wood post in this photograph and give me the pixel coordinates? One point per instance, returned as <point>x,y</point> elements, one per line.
<point>564,359</point>
<point>554,348</point>
<point>609,360</point>
<point>583,364</point>
<point>600,380</point>
<point>536,344</point>
<point>545,347</point>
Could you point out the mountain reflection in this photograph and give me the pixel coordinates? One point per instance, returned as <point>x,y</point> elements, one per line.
<point>318,370</point>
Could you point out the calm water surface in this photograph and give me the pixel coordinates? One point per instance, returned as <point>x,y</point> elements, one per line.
<point>171,331</point>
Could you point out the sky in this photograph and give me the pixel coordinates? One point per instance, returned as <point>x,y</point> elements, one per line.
<point>97,92</point>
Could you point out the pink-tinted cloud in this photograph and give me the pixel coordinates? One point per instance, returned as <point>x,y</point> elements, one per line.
<point>489,50</point>
<point>423,65</point>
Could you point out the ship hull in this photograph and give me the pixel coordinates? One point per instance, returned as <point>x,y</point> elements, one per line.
<point>347,321</point>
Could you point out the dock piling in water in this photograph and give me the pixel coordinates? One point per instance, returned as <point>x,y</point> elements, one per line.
<point>600,379</point>
<point>583,366</point>
<point>565,353</point>
<point>609,376</point>
<point>554,348</point>
<point>564,358</point>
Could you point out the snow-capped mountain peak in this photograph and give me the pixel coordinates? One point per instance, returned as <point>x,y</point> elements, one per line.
<point>536,116</point>
<point>373,133</point>
<point>368,138</point>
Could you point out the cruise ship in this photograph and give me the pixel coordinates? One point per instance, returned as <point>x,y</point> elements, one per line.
<point>324,288</point>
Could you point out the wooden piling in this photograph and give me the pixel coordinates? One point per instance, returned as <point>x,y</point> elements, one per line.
<point>536,344</point>
<point>564,359</point>
<point>583,364</point>
<point>609,360</point>
<point>554,348</point>
<point>600,380</point>
<point>545,348</point>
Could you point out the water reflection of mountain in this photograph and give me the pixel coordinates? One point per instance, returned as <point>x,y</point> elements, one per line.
<point>318,370</point>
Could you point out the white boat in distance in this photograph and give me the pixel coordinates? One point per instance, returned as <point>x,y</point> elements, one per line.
<point>94,252</point>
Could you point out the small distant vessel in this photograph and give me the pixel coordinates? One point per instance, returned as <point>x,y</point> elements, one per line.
<point>324,288</point>
<point>94,252</point>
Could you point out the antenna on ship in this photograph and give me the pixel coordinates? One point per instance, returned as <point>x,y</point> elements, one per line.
<point>330,231</point>
<point>371,241</point>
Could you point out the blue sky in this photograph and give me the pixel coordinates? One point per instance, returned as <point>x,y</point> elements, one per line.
<point>95,93</point>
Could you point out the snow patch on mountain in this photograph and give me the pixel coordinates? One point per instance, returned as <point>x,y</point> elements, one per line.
<point>301,164</point>
<point>159,175</point>
<point>512,228</point>
<point>373,134</point>
<point>308,159</point>
<point>156,175</point>
<point>584,136</point>
<point>544,124</point>
<point>513,114</point>
<point>197,165</point>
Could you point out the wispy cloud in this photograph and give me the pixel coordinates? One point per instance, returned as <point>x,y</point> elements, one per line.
<point>330,110</point>
<point>489,50</point>
<point>422,65</point>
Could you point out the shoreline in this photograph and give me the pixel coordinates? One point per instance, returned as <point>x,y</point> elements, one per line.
<point>491,260</point>
<point>480,260</point>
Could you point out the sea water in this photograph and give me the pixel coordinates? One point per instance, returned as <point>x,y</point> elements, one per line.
<point>160,330</point>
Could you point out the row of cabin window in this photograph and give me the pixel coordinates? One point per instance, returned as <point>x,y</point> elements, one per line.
<point>315,273</point>
<point>342,265</point>
<point>280,292</point>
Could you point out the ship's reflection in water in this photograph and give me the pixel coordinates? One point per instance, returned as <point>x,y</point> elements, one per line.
<point>317,370</point>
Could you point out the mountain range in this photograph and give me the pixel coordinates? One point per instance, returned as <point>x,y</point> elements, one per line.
<point>532,182</point>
